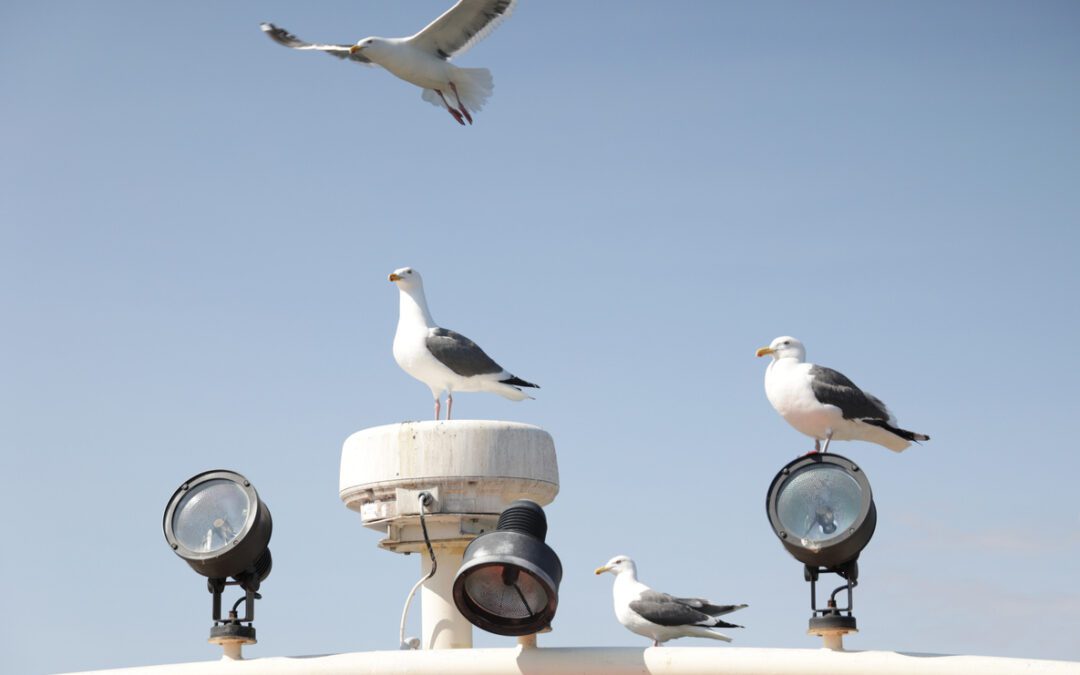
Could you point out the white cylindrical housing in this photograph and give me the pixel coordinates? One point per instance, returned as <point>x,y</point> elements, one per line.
<point>473,469</point>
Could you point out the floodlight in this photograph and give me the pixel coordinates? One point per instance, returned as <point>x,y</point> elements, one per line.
<point>822,509</point>
<point>508,582</point>
<point>216,522</point>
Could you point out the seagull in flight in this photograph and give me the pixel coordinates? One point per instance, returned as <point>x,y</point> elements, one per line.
<point>826,405</point>
<point>441,358</point>
<point>658,615</point>
<point>424,59</point>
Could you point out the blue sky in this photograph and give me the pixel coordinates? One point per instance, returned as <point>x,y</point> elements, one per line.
<point>197,225</point>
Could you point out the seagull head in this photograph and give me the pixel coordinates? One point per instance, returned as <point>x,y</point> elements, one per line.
<point>618,565</point>
<point>785,347</point>
<point>365,44</point>
<point>406,278</point>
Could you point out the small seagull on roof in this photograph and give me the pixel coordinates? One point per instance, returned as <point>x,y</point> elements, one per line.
<point>424,59</point>
<point>440,358</point>
<point>825,405</point>
<point>658,615</point>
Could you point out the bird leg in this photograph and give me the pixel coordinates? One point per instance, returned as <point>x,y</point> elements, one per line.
<point>461,106</point>
<point>449,404</point>
<point>451,110</point>
<point>828,437</point>
<point>817,447</point>
<point>438,407</point>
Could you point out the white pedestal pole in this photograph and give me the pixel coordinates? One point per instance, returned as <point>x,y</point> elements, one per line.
<point>443,626</point>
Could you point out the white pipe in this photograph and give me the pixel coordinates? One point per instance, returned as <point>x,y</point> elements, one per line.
<point>833,641</point>
<point>443,627</point>
<point>527,641</point>
<point>234,650</point>
<point>619,661</point>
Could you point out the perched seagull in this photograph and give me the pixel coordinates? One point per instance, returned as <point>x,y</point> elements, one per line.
<point>658,615</point>
<point>424,59</point>
<point>440,358</point>
<point>825,405</point>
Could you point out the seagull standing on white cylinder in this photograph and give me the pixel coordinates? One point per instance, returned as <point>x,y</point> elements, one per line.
<point>440,358</point>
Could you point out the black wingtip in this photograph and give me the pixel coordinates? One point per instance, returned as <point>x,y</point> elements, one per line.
<point>902,433</point>
<point>518,382</point>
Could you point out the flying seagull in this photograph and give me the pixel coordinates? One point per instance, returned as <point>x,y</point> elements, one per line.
<point>825,405</point>
<point>424,59</point>
<point>440,358</point>
<point>658,615</point>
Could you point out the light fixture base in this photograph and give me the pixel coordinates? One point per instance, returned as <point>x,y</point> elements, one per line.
<point>832,623</point>
<point>232,632</point>
<point>832,628</point>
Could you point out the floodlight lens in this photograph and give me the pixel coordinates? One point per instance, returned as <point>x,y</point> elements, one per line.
<point>822,509</point>
<point>506,592</point>
<point>217,523</point>
<point>211,515</point>
<point>819,503</point>
<point>508,582</point>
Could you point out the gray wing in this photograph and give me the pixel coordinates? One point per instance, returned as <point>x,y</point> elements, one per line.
<point>664,610</point>
<point>834,388</point>
<point>709,608</point>
<point>460,354</point>
<point>287,39</point>
<point>462,26</point>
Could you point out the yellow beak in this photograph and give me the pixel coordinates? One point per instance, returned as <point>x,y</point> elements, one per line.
<point>397,277</point>
<point>354,49</point>
<point>765,350</point>
<point>601,570</point>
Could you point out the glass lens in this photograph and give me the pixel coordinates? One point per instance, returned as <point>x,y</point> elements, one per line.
<point>210,515</point>
<point>819,503</point>
<point>505,591</point>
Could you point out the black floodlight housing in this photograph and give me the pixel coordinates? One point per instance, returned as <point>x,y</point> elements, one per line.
<point>822,509</point>
<point>508,583</point>
<point>216,522</point>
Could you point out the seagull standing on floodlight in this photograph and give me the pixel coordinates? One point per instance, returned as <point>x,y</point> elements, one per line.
<point>825,405</point>
<point>440,358</point>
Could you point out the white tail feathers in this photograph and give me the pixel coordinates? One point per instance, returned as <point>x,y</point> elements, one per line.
<point>505,390</point>
<point>701,631</point>
<point>474,85</point>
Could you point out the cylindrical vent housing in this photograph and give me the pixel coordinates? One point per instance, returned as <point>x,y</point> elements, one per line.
<point>524,516</point>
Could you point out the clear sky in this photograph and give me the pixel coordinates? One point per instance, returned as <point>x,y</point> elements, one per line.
<point>197,225</point>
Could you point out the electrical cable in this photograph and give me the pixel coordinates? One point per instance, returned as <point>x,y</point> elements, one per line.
<point>425,499</point>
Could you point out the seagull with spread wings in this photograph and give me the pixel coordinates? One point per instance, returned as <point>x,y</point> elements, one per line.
<point>424,59</point>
